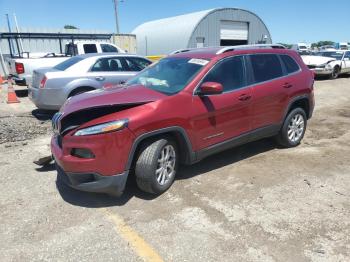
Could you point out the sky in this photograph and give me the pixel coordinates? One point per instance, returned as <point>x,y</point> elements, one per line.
<point>289,21</point>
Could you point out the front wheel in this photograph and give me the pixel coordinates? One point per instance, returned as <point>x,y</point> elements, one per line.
<point>156,166</point>
<point>293,129</point>
<point>335,72</point>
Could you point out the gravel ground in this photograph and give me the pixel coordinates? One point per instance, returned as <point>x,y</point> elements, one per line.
<point>252,203</point>
<point>24,127</point>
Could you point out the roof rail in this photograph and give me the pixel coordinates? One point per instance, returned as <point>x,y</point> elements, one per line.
<point>180,51</point>
<point>243,47</point>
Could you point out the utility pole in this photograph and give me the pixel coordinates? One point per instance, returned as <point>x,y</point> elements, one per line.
<point>116,14</point>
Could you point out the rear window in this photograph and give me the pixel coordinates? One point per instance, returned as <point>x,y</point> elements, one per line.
<point>266,67</point>
<point>108,48</point>
<point>68,63</point>
<point>90,48</point>
<point>290,64</point>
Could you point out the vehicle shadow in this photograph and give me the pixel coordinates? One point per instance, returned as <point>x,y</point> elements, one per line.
<point>43,115</point>
<point>22,93</point>
<point>231,156</point>
<point>323,78</point>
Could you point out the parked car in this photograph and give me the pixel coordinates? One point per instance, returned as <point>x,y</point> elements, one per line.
<point>301,48</point>
<point>342,46</point>
<point>180,110</point>
<point>22,65</point>
<point>52,86</point>
<point>329,63</point>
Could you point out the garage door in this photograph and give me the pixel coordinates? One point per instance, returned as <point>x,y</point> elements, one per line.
<point>231,30</point>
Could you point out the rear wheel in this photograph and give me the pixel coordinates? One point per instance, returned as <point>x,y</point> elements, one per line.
<point>80,90</point>
<point>156,166</point>
<point>293,129</point>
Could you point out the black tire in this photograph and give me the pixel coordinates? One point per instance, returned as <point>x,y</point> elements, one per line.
<point>282,138</point>
<point>147,165</point>
<point>335,73</point>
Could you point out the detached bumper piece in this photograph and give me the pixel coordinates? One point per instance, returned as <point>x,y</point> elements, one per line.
<point>112,185</point>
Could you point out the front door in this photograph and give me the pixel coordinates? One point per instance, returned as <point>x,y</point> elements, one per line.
<point>216,118</point>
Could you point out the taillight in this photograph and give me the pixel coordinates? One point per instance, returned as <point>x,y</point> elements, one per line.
<point>19,68</point>
<point>42,82</point>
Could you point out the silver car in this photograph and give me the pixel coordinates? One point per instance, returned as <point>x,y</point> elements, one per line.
<point>51,87</point>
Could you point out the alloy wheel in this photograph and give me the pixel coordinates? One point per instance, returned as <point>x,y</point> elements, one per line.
<point>296,128</point>
<point>166,165</point>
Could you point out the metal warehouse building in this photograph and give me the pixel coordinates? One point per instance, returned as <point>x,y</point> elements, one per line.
<point>216,27</point>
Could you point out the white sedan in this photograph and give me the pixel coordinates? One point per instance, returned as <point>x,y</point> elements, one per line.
<point>330,63</point>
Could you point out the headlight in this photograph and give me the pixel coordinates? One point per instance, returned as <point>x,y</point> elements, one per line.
<point>102,128</point>
<point>328,66</point>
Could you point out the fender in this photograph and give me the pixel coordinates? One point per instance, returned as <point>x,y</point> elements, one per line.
<point>293,100</point>
<point>177,129</point>
<point>80,82</point>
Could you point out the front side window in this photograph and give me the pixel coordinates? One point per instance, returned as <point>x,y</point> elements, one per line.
<point>347,55</point>
<point>229,73</point>
<point>290,64</point>
<point>169,75</point>
<point>90,48</point>
<point>108,48</point>
<point>265,67</point>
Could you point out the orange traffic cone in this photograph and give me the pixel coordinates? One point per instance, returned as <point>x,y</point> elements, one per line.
<point>11,94</point>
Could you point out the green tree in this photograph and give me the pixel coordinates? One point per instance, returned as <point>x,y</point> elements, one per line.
<point>70,27</point>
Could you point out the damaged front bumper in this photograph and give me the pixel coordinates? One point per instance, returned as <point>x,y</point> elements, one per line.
<point>93,182</point>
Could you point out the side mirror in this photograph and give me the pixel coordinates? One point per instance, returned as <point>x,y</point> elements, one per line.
<point>210,88</point>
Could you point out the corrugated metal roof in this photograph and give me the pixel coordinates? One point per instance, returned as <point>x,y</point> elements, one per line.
<point>175,32</point>
<point>177,27</point>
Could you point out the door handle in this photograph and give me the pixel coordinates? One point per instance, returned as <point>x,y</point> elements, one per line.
<point>287,85</point>
<point>99,78</point>
<point>244,97</point>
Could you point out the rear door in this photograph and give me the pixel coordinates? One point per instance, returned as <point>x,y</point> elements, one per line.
<point>269,89</point>
<point>217,118</point>
<point>110,71</point>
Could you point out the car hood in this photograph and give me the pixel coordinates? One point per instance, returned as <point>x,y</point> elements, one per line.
<point>113,96</point>
<point>316,60</point>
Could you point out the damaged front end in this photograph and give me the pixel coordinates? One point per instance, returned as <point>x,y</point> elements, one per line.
<point>62,123</point>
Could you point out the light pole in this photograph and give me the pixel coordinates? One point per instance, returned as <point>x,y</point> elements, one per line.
<point>116,14</point>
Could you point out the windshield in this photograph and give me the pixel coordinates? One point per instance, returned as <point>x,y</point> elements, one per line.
<point>336,55</point>
<point>169,75</point>
<point>68,63</point>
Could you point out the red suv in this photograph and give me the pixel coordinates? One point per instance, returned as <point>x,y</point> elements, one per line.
<point>185,107</point>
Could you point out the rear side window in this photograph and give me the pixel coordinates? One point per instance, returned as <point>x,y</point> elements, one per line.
<point>90,48</point>
<point>68,63</point>
<point>108,48</point>
<point>136,63</point>
<point>229,73</point>
<point>112,64</point>
<point>266,67</point>
<point>290,64</point>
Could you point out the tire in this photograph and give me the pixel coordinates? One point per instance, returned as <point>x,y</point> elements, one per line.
<point>79,91</point>
<point>335,72</point>
<point>150,168</point>
<point>295,123</point>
